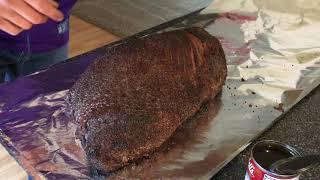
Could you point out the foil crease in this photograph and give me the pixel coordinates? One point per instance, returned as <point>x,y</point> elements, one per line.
<point>284,57</point>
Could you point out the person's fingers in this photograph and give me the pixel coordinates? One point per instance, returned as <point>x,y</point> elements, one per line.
<point>16,19</point>
<point>26,11</point>
<point>9,27</point>
<point>46,8</point>
<point>54,3</point>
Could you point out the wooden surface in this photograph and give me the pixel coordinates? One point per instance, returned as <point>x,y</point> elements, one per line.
<point>84,37</point>
<point>9,168</point>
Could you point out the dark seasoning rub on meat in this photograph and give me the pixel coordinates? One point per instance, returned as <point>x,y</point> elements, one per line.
<point>131,100</point>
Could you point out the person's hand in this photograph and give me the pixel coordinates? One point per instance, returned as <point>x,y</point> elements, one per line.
<point>19,15</point>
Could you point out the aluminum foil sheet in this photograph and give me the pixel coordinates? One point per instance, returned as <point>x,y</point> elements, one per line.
<point>272,50</point>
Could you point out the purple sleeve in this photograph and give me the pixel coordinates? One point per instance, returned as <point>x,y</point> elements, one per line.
<point>41,38</point>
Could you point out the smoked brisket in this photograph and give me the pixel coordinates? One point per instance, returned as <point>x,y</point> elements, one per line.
<point>131,100</point>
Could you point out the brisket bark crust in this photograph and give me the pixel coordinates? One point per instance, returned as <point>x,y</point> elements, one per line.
<point>130,101</point>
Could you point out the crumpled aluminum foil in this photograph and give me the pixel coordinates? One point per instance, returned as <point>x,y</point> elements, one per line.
<point>283,36</point>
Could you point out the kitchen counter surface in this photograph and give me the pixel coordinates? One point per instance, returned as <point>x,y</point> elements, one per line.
<point>300,128</point>
<point>125,17</point>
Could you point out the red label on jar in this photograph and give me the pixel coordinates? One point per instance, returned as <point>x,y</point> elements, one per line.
<point>254,172</point>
